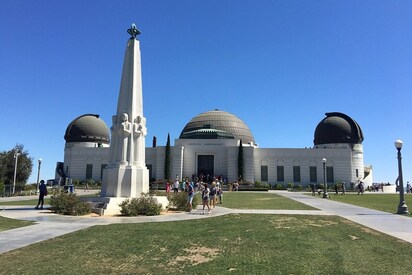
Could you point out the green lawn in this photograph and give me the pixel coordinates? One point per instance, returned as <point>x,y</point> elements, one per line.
<point>383,202</point>
<point>32,202</point>
<point>232,244</point>
<point>261,200</point>
<point>6,223</point>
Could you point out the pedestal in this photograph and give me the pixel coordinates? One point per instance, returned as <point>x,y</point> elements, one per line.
<point>125,181</point>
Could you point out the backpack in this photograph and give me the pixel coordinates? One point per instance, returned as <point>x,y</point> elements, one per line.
<point>190,189</point>
<point>213,191</point>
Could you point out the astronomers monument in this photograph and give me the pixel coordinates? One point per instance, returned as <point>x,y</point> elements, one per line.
<point>126,175</point>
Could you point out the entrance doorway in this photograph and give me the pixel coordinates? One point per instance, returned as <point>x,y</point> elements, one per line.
<point>205,166</point>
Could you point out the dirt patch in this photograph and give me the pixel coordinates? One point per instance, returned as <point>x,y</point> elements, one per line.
<point>353,238</point>
<point>292,222</point>
<point>370,231</point>
<point>196,255</point>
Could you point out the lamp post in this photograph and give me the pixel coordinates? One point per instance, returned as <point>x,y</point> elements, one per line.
<point>38,175</point>
<point>16,157</point>
<point>402,208</point>
<point>325,185</point>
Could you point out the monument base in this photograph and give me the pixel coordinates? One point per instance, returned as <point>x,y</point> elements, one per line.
<point>125,181</point>
<point>108,206</point>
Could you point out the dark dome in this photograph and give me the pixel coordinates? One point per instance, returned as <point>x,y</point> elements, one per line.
<point>338,128</point>
<point>87,128</point>
<point>217,124</point>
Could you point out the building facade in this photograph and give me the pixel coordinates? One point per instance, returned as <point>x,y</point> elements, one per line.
<point>209,146</point>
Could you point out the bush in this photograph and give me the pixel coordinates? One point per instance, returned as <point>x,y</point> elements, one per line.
<point>290,185</point>
<point>145,205</point>
<point>69,204</point>
<point>29,187</point>
<point>279,186</point>
<point>178,201</point>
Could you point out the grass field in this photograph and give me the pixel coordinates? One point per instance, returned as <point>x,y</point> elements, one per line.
<point>261,200</point>
<point>383,202</point>
<point>6,224</point>
<point>232,244</point>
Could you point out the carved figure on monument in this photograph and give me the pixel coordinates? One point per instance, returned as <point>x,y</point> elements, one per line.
<point>140,132</point>
<point>113,156</point>
<point>124,132</point>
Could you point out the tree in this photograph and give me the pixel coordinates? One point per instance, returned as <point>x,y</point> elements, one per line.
<point>7,164</point>
<point>240,161</point>
<point>167,158</point>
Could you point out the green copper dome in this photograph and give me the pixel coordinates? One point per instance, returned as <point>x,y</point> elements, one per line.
<point>217,124</point>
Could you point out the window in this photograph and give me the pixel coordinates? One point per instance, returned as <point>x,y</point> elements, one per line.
<point>357,173</point>
<point>89,171</point>
<point>329,174</point>
<point>296,173</point>
<point>264,173</point>
<point>313,174</point>
<point>281,173</point>
<point>101,170</point>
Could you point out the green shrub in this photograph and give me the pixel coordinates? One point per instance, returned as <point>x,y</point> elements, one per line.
<point>145,205</point>
<point>291,185</point>
<point>178,201</point>
<point>29,187</point>
<point>1,188</point>
<point>69,204</point>
<point>279,186</point>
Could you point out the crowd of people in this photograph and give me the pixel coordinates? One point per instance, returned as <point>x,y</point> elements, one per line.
<point>211,193</point>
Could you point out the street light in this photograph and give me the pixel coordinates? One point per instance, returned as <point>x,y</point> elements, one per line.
<point>402,208</point>
<point>38,175</point>
<point>16,156</point>
<point>325,185</point>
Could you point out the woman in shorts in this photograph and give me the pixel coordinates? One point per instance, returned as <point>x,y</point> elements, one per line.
<point>205,198</point>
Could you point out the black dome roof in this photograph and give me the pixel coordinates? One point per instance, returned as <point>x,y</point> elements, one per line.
<point>338,128</point>
<point>217,124</point>
<point>87,128</point>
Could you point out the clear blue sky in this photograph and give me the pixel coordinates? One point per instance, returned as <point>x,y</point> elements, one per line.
<point>277,65</point>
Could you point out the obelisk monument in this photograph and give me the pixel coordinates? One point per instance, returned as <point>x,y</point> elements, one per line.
<point>126,175</point>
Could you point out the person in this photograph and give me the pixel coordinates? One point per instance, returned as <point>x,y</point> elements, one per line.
<point>220,194</point>
<point>176,186</point>
<point>205,198</point>
<point>336,189</point>
<point>42,193</point>
<point>86,186</point>
<point>343,188</point>
<point>361,188</point>
<point>190,195</point>
<point>167,188</point>
<point>212,196</point>
<point>313,186</point>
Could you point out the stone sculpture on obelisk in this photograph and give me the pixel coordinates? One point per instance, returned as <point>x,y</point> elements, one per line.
<point>126,175</point>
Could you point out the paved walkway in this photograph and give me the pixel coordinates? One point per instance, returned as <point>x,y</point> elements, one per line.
<point>395,225</point>
<point>49,225</point>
